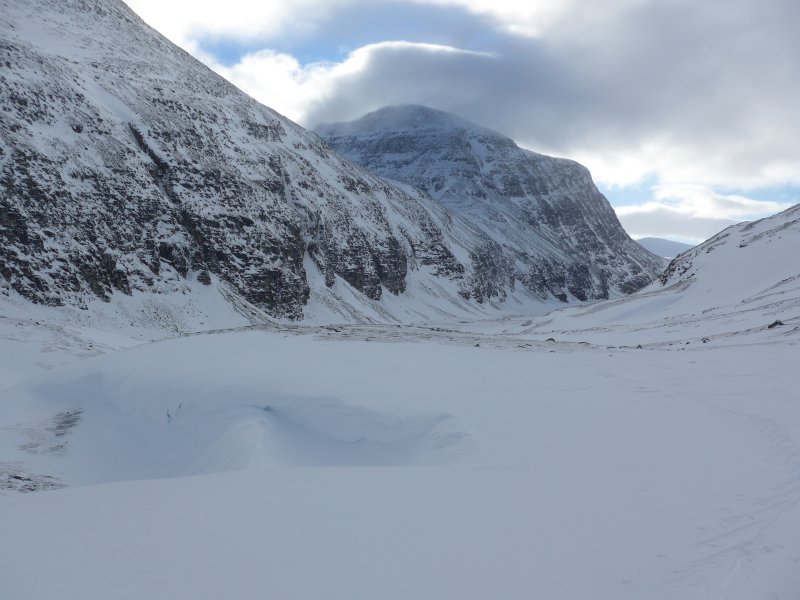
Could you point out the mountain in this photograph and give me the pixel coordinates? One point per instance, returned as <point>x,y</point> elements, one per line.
<point>127,166</point>
<point>662,247</point>
<point>558,234</point>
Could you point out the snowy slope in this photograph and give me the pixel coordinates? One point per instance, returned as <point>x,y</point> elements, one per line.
<point>662,247</point>
<point>743,282</point>
<point>126,165</point>
<point>558,234</point>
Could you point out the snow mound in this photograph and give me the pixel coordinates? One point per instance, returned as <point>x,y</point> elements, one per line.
<point>328,432</point>
<point>200,405</point>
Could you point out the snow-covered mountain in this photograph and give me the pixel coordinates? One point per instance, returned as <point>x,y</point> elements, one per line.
<point>663,247</point>
<point>558,234</point>
<point>742,264</point>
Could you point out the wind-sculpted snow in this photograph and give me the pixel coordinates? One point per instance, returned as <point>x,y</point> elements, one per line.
<point>555,233</point>
<point>127,165</point>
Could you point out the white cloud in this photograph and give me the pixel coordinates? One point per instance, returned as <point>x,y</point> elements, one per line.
<point>186,21</point>
<point>523,17</point>
<point>679,91</point>
<point>296,90</point>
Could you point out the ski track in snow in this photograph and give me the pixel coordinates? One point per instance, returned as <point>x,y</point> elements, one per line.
<point>736,540</point>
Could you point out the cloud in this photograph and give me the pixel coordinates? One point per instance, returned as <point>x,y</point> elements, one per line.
<point>522,17</point>
<point>691,213</point>
<point>301,92</point>
<point>673,90</point>
<point>185,22</point>
<point>700,93</point>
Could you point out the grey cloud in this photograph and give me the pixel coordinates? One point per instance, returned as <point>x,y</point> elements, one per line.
<point>714,83</point>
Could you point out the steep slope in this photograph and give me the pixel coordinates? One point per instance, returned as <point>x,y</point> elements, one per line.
<point>559,236</point>
<point>741,285</point>
<point>126,165</point>
<point>662,247</point>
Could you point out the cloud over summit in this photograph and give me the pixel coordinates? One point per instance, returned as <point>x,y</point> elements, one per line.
<point>681,92</point>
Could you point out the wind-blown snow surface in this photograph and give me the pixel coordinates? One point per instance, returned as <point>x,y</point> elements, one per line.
<point>380,462</point>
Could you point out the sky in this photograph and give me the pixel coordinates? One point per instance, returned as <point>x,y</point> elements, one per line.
<point>685,112</point>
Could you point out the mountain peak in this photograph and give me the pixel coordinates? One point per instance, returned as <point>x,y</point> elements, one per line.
<point>401,117</point>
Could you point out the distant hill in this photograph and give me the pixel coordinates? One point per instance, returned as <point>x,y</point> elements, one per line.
<point>662,247</point>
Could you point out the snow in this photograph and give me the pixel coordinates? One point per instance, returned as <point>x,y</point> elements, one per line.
<point>120,106</point>
<point>483,177</point>
<point>726,291</point>
<point>404,117</point>
<point>395,462</point>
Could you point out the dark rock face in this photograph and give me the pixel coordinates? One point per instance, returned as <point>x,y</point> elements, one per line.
<point>557,232</point>
<point>127,165</point>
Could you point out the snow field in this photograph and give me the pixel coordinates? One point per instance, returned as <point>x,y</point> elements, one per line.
<point>407,468</point>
